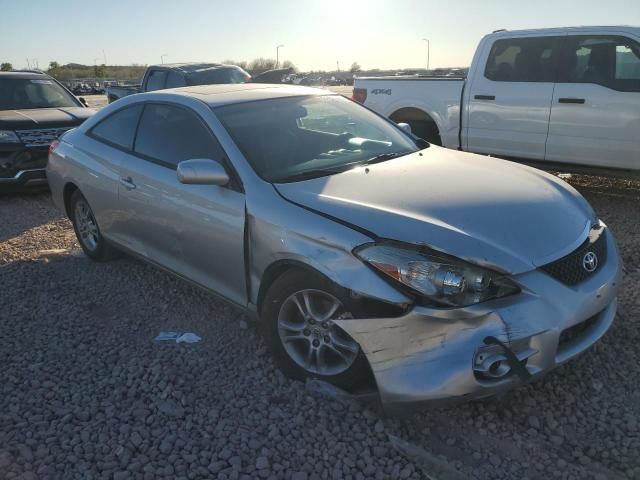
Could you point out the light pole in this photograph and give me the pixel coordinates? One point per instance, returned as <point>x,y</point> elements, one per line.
<point>427,40</point>
<point>278,55</point>
<point>162,57</point>
<point>104,55</point>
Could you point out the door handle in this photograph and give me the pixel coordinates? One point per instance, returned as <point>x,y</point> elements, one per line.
<point>571,100</point>
<point>127,182</point>
<point>484,97</point>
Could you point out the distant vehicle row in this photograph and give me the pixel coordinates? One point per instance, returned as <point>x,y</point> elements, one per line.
<point>564,95</point>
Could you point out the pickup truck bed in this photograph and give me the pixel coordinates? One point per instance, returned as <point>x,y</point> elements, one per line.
<point>407,98</point>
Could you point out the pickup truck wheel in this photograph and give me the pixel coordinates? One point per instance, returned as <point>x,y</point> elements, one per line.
<point>87,231</point>
<point>297,325</point>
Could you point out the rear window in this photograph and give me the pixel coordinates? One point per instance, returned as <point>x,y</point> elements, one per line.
<point>156,80</point>
<point>218,75</point>
<point>522,60</point>
<point>119,128</point>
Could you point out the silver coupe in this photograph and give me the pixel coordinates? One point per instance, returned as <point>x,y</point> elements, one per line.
<point>367,256</point>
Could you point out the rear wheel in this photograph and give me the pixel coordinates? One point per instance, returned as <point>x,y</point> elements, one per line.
<point>87,231</point>
<point>298,325</point>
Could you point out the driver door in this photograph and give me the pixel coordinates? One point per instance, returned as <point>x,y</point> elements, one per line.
<point>196,231</point>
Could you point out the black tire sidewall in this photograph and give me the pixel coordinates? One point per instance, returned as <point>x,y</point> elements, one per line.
<point>284,286</point>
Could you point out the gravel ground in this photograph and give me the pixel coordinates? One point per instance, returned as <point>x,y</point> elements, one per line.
<point>85,392</point>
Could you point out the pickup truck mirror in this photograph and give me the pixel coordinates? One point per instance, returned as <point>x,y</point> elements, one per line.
<point>406,127</point>
<point>83,101</point>
<point>202,171</point>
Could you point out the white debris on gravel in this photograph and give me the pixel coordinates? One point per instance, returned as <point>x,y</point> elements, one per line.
<point>78,399</point>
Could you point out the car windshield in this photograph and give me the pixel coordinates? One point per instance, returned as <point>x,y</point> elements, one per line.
<point>213,76</point>
<point>26,93</point>
<point>295,138</point>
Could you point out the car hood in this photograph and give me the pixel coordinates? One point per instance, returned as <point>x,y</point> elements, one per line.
<point>488,211</point>
<point>43,118</point>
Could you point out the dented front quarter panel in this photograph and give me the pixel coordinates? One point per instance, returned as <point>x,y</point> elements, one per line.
<point>427,355</point>
<point>280,231</point>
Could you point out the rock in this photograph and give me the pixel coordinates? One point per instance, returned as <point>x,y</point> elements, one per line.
<point>170,408</point>
<point>262,463</point>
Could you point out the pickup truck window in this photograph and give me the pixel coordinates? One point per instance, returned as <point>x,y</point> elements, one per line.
<point>169,134</point>
<point>522,60</point>
<point>156,80</point>
<point>610,61</point>
<point>175,80</point>
<point>119,128</point>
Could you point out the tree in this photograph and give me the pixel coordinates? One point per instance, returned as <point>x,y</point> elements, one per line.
<point>54,65</point>
<point>260,65</point>
<point>6,67</point>
<point>99,70</point>
<point>355,68</point>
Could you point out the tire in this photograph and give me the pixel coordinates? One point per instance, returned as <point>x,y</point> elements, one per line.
<point>279,308</point>
<point>89,237</point>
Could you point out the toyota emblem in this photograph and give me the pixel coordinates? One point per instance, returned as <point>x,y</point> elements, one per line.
<point>590,262</point>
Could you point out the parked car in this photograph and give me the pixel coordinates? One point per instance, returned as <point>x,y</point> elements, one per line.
<point>34,110</point>
<point>159,77</point>
<point>358,247</point>
<point>558,96</point>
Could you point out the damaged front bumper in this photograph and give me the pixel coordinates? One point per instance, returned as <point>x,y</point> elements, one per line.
<point>442,355</point>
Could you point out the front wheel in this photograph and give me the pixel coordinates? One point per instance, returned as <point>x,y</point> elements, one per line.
<point>298,325</point>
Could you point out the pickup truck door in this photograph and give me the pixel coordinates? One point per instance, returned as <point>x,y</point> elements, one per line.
<point>595,115</point>
<point>509,97</point>
<point>196,231</point>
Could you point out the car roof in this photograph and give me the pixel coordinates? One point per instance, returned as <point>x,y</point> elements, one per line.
<point>24,74</point>
<point>191,67</point>
<point>226,94</point>
<point>591,29</point>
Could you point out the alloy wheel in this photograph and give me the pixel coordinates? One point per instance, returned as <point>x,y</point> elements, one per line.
<point>309,335</point>
<point>87,226</point>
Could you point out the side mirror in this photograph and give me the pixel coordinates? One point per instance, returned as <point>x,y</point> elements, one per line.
<point>84,101</point>
<point>202,171</point>
<point>405,126</point>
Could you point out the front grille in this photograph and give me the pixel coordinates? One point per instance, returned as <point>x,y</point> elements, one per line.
<point>570,269</point>
<point>40,137</point>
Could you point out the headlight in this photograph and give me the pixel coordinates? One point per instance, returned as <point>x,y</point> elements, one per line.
<point>8,136</point>
<point>439,278</point>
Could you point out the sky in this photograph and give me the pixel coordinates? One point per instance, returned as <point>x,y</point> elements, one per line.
<point>316,35</point>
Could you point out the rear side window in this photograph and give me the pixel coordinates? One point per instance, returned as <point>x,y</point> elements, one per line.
<point>119,128</point>
<point>610,61</point>
<point>522,60</point>
<point>156,80</point>
<point>175,80</point>
<point>170,134</point>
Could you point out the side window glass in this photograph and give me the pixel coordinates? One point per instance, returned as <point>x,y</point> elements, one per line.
<point>172,134</point>
<point>118,128</point>
<point>522,60</point>
<point>156,80</point>
<point>175,80</point>
<point>610,61</point>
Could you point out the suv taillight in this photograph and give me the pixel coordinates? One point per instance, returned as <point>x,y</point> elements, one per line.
<point>53,146</point>
<point>359,95</point>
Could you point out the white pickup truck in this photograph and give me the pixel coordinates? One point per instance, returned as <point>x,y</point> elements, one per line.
<point>561,95</point>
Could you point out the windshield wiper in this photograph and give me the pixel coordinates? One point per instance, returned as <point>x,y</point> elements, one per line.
<point>383,157</point>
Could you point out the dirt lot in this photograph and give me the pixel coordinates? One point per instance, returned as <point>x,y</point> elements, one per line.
<point>85,392</point>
